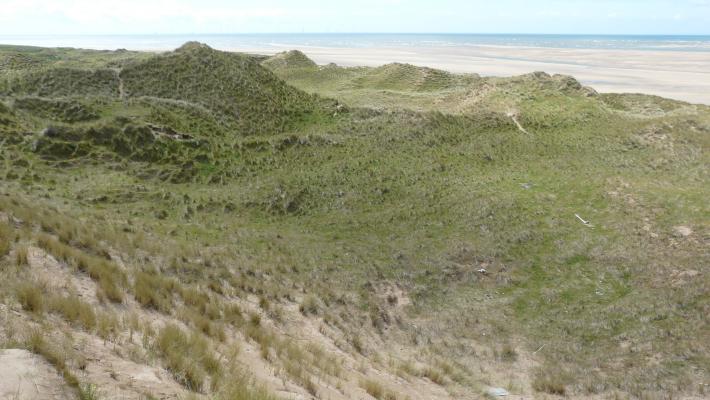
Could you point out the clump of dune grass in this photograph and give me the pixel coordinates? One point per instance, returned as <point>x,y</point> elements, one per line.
<point>31,297</point>
<point>435,375</point>
<point>21,256</point>
<point>240,387</point>
<point>261,335</point>
<point>551,382</point>
<point>37,344</point>
<point>298,371</point>
<point>73,310</point>
<point>189,357</point>
<point>6,238</point>
<point>88,392</point>
<point>373,388</point>
<point>194,297</point>
<point>309,305</point>
<point>110,278</point>
<point>377,390</point>
<point>508,353</point>
<point>154,291</point>
<point>202,323</point>
<point>108,275</point>
<point>107,325</point>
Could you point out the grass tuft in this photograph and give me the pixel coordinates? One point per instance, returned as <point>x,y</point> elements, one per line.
<point>309,305</point>
<point>154,291</point>
<point>37,344</point>
<point>6,238</point>
<point>188,357</point>
<point>31,297</point>
<point>547,382</point>
<point>73,310</point>
<point>21,256</point>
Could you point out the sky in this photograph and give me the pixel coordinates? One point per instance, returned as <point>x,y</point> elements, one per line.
<point>679,17</point>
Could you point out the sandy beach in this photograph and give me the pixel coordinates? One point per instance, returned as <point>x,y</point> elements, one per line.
<point>681,75</point>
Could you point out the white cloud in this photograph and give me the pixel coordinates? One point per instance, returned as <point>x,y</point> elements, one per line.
<point>52,17</point>
<point>97,12</point>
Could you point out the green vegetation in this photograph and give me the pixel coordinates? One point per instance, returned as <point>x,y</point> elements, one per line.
<point>189,357</point>
<point>425,224</point>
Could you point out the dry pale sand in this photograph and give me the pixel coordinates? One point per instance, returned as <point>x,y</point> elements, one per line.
<point>673,74</point>
<point>26,376</point>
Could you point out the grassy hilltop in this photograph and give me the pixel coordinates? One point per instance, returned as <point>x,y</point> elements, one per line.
<point>203,224</point>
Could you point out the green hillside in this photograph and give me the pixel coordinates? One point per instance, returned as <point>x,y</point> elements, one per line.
<point>233,85</point>
<point>249,229</point>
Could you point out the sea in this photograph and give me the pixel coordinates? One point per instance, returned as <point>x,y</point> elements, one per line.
<point>280,41</point>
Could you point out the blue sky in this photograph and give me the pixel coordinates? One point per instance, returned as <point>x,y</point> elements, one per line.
<point>472,16</point>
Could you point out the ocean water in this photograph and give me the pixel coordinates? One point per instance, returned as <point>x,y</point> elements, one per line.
<point>277,42</point>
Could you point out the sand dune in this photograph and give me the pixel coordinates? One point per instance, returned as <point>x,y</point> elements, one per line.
<point>673,74</point>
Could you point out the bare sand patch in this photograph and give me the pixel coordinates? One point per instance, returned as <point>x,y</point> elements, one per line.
<point>25,376</point>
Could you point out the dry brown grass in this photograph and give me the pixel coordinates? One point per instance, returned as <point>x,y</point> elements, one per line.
<point>242,388</point>
<point>107,325</point>
<point>299,373</point>
<point>549,382</point>
<point>7,235</point>
<point>31,297</point>
<point>373,388</point>
<point>107,274</point>
<point>377,390</point>
<point>508,353</point>
<point>195,298</point>
<point>309,305</point>
<point>21,256</point>
<point>189,357</point>
<point>434,375</point>
<point>37,344</point>
<point>212,329</point>
<point>154,291</point>
<point>73,310</point>
<point>407,369</point>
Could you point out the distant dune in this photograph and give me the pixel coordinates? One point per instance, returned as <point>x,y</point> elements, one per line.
<point>678,75</point>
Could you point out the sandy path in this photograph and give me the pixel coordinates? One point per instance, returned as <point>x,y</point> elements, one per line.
<point>678,75</point>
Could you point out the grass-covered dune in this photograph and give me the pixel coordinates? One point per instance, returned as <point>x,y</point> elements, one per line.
<point>246,227</point>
